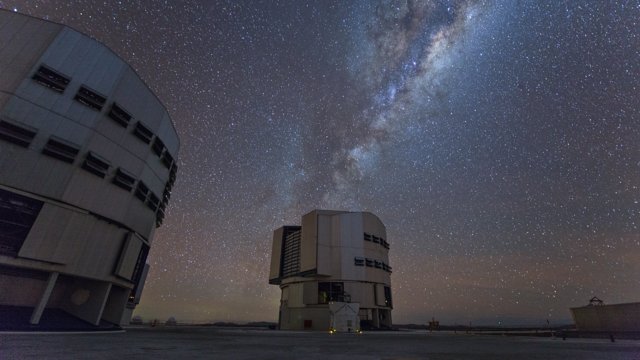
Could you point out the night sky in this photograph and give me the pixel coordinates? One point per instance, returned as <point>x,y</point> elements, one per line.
<point>498,141</point>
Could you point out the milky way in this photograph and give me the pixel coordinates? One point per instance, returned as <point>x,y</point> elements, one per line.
<point>497,140</point>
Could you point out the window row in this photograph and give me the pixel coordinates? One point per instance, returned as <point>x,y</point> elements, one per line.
<point>97,165</point>
<point>91,98</point>
<point>361,261</point>
<point>375,239</point>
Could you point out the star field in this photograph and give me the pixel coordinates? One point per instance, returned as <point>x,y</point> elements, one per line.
<point>497,141</point>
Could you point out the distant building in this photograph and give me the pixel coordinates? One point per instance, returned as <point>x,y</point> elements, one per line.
<point>611,318</point>
<point>87,163</point>
<point>334,257</point>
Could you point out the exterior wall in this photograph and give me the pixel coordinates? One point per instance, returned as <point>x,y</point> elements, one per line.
<point>331,242</point>
<point>23,41</point>
<point>276,257</point>
<point>90,230</point>
<point>618,317</point>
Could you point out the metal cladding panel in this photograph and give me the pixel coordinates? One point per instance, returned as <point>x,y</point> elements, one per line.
<point>129,256</point>
<point>45,240</point>
<point>308,246</point>
<point>27,169</point>
<point>22,41</point>
<point>379,294</point>
<point>134,96</point>
<point>310,295</point>
<point>276,254</point>
<point>325,254</point>
<point>296,295</point>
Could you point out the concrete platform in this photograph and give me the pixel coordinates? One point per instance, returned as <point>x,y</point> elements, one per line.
<point>219,343</point>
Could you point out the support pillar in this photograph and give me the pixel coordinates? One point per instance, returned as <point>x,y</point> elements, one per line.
<point>44,299</point>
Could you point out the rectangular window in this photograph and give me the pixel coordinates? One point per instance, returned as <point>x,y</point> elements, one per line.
<point>119,115</point>
<point>137,271</point>
<point>375,239</point>
<point>19,135</point>
<point>172,174</point>
<point>142,191</point>
<point>387,297</point>
<point>160,214</point>
<point>367,237</point>
<point>359,261</point>
<point>166,194</point>
<point>384,243</point>
<point>142,132</point>
<point>332,291</point>
<point>50,78</point>
<point>377,264</point>
<point>167,159</point>
<point>152,201</point>
<point>157,146</point>
<point>96,164</point>
<point>17,215</point>
<point>369,262</point>
<point>61,149</point>
<point>124,179</point>
<point>90,98</point>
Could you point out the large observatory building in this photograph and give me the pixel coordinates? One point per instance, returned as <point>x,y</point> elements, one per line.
<point>87,163</point>
<point>334,257</point>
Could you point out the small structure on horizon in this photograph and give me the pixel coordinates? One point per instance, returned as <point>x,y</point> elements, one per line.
<point>333,271</point>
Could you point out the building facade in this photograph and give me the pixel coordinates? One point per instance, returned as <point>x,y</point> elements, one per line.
<point>611,318</point>
<point>87,164</point>
<point>333,257</point>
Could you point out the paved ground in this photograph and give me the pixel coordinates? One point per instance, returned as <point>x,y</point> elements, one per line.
<point>222,343</point>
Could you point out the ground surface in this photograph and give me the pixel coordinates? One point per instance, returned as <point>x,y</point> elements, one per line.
<point>221,343</point>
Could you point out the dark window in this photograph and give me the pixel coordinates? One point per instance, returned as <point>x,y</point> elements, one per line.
<point>290,257</point>
<point>377,264</point>
<point>90,98</point>
<point>166,195</point>
<point>384,243</point>
<point>308,324</point>
<point>17,215</point>
<point>367,237</point>
<point>19,135</point>
<point>119,115</point>
<point>61,149</point>
<point>51,79</point>
<point>142,132</point>
<point>167,159</point>
<point>332,291</point>
<point>157,146</point>
<point>137,271</point>
<point>95,164</point>
<point>172,175</point>
<point>124,179</point>
<point>387,297</point>
<point>358,261</point>
<point>160,214</point>
<point>142,191</point>
<point>375,239</point>
<point>369,262</point>
<point>152,201</point>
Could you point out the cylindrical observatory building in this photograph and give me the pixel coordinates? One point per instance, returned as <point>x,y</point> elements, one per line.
<point>87,163</point>
<point>336,262</point>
